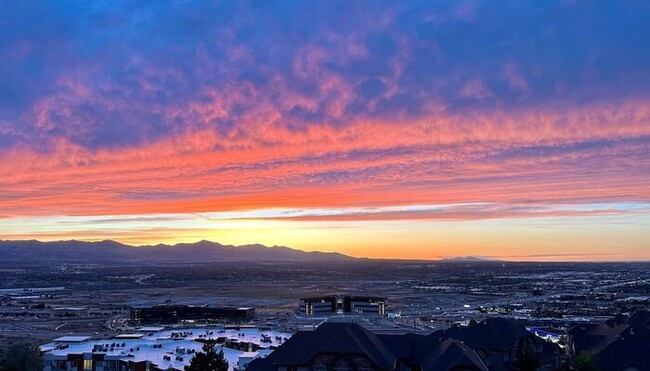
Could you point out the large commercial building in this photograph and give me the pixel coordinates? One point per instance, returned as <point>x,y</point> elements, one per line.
<point>160,349</point>
<point>70,312</point>
<point>337,304</point>
<point>164,314</point>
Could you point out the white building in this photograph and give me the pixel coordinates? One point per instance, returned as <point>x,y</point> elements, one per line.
<point>152,350</point>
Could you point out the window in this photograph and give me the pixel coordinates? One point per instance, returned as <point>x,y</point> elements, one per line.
<point>88,365</point>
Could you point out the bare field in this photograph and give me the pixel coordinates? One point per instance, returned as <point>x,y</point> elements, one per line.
<point>427,292</point>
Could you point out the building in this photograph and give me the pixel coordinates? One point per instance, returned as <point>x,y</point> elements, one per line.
<point>317,306</point>
<point>620,343</point>
<point>337,304</point>
<point>352,347</point>
<point>500,342</point>
<point>159,350</point>
<point>494,344</point>
<point>65,354</point>
<point>166,314</point>
<point>70,312</point>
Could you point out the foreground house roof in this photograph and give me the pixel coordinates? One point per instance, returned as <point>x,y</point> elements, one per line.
<point>618,344</point>
<point>385,352</point>
<point>496,334</point>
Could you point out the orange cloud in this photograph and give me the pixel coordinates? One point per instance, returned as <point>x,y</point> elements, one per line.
<point>497,157</point>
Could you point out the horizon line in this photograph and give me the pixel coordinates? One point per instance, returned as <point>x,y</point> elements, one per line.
<point>459,258</point>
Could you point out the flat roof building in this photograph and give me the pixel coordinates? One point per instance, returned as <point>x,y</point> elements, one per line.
<point>70,312</point>
<point>163,350</point>
<point>167,314</point>
<point>340,304</point>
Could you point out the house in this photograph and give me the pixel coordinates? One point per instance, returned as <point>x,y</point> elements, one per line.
<point>500,342</point>
<point>351,346</point>
<point>621,343</point>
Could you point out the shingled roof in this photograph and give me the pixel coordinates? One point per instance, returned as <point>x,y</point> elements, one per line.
<point>384,351</point>
<point>497,334</point>
<point>619,343</point>
<point>452,354</point>
<point>332,338</point>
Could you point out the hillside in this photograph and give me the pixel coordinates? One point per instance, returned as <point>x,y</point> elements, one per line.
<point>114,252</point>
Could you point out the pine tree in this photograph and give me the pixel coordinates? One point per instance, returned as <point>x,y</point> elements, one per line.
<point>526,356</point>
<point>20,356</point>
<point>208,359</point>
<point>586,361</point>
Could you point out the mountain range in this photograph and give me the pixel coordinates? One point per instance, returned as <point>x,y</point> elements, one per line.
<point>108,251</point>
<point>468,259</point>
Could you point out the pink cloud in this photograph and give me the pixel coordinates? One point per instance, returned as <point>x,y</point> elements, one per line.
<point>475,89</point>
<point>265,164</point>
<point>514,78</point>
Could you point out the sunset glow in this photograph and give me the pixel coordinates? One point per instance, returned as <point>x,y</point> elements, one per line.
<point>413,130</point>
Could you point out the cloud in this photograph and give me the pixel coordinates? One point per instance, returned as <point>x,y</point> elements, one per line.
<point>475,89</point>
<point>123,108</point>
<point>514,78</point>
<point>594,153</point>
<point>121,74</point>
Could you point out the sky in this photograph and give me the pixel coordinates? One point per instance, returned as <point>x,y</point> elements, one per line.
<point>415,130</point>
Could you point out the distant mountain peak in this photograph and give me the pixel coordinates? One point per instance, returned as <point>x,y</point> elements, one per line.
<point>468,259</point>
<point>108,251</point>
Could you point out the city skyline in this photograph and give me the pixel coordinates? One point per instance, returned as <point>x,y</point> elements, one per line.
<point>376,129</point>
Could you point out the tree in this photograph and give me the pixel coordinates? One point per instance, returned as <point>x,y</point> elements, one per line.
<point>208,359</point>
<point>526,355</point>
<point>20,356</point>
<point>586,361</point>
